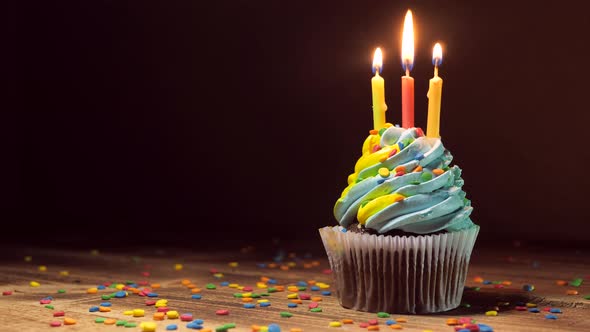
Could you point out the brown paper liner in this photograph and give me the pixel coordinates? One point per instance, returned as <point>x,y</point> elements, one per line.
<point>399,274</point>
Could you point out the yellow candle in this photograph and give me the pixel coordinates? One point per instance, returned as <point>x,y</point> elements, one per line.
<point>434,95</point>
<point>378,88</point>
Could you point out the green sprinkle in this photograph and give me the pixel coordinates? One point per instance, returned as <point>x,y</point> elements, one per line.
<point>99,320</point>
<point>211,286</point>
<point>113,285</point>
<point>121,323</point>
<point>301,288</point>
<point>255,295</point>
<point>264,294</point>
<point>130,324</point>
<point>238,295</point>
<point>426,176</point>
<point>496,282</point>
<point>383,315</point>
<point>286,314</point>
<point>49,306</point>
<point>415,183</point>
<point>381,131</point>
<point>316,310</point>
<point>466,305</point>
<point>476,289</point>
<point>271,289</point>
<point>221,329</point>
<point>129,282</point>
<point>105,297</point>
<point>230,325</point>
<point>61,291</point>
<point>576,282</point>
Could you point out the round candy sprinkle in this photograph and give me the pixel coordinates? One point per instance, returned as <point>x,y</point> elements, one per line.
<point>99,320</point>
<point>34,284</point>
<point>373,322</point>
<point>210,286</point>
<point>148,326</point>
<point>172,314</point>
<point>286,314</point>
<point>485,328</point>
<point>69,321</point>
<point>396,327</point>
<point>55,324</point>
<point>265,304</point>
<point>110,321</point>
<point>315,288</point>
<point>391,322</point>
<point>316,310</point>
<point>59,314</point>
<point>375,328</point>
<point>222,312</point>
<point>384,172</point>
<point>5,293</point>
<point>555,310</point>
<point>534,310</point>
<point>93,309</point>
<point>572,292</point>
<point>121,323</point>
<point>196,296</point>
<point>335,324</point>
<point>492,313</point>
<point>138,312</point>
<point>528,288</point>
<point>130,324</point>
<point>347,321</point>
<point>171,327</point>
<point>326,293</point>
<point>186,317</point>
<point>550,316</point>
<point>249,305</point>
<point>274,328</point>
<point>383,315</point>
<point>292,305</point>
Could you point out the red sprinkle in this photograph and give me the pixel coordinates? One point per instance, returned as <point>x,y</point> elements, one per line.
<point>499,286</point>
<point>419,132</point>
<point>145,273</point>
<point>213,271</point>
<point>222,312</point>
<point>520,308</point>
<point>547,309</point>
<point>45,301</point>
<point>399,173</point>
<point>364,325</point>
<point>376,148</point>
<point>150,302</point>
<point>247,289</point>
<point>327,271</point>
<point>465,320</point>
<point>7,293</point>
<point>304,296</point>
<point>143,283</point>
<point>55,324</point>
<point>392,153</point>
<point>373,322</point>
<point>313,305</point>
<point>59,314</point>
<point>163,309</point>
<point>186,317</point>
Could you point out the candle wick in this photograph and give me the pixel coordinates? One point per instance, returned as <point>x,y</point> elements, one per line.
<point>407,71</point>
<point>436,69</point>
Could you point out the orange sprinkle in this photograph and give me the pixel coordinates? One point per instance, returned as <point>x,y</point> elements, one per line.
<point>185,282</point>
<point>311,282</point>
<point>247,299</point>
<point>272,265</point>
<point>316,298</point>
<point>401,320</point>
<point>134,290</point>
<point>156,285</point>
<point>452,321</point>
<point>264,279</point>
<point>191,286</point>
<point>69,321</point>
<point>373,328</point>
<point>478,279</point>
<point>292,289</point>
<point>92,290</point>
<point>284,268</point>
<point>296,329</point>
<point>417,169</point>
<point>506,283</point>
<point>437,171</point>
<point>315,263</point>
<point>373,132</point>
<point>395,327</point>
<point>110,321</point>
<point>298,301</point>
<point>280,288</point>
<point>307,265</point>
<point>561,282</point>
<point>158,316</point>
<point>104,309</point>
<point>206,330</point>
<point>195,290</point>
<point>572,292</point>
<point>400,169</point>
<point>347,321</point>
<point>255,328</point>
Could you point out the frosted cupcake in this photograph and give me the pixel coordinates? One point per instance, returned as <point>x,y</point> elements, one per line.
<point>405,236</point>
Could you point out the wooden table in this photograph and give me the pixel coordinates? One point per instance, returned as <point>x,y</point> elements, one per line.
<point>22,310</point>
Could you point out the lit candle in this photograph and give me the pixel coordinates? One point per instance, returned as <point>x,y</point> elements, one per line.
<point>378,88</point>
<point>407,80</point>
<point>434,95</point>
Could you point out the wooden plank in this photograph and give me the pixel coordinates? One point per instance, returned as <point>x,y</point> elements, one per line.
<point>22,311</point>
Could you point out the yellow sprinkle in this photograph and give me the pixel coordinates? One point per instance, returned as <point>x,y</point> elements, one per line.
<point>92,290</point>
<point>492,313</point>
<point>233,285</point>
<point>148,326</point>
<point>292,296</point>
<point>292,289</point>
<point>335,324</point>
<point>233,264</point>
<point>531,305</point>
<point>28,258</point>
<point>64,273</point>
<point>261,285</point>
<point>262,301</point>
<point>138,312</point>
<point>42,268</point>
<point>178,267</point>
<point>384,172</point>
<point>246,294</point>
<point>218,275</point>
<point>34,284</point>
<point>119,286</point>
<point>172,314</point>
<point>387,125</point>
<point>291,264</point>
<point>128,312</point>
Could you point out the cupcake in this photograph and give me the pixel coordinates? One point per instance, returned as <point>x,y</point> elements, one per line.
<point>405,235</point>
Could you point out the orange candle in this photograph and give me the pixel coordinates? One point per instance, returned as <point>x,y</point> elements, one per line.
<point>407,80</point>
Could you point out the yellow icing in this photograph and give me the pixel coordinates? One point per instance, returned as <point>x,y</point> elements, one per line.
<point>376,205</point>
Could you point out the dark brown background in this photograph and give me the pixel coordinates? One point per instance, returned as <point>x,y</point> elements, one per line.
<point>233,122</point>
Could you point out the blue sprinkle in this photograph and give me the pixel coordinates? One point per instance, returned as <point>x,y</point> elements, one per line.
<point>292,305</point>
<point>535,310</point>
<point>520,304</point>
<point>194,326</point>
<point>487,282</point>
<point>464,330</point>
<point>93,309</point>
<point>344,230</point>
<point>152,294</point>
<point>249,305</point>
<point>101,287</point>
<point>198,321</point>
<point>550,316</point>
<point>326,293</point>
<point>272,282</point>
<point>120,294</point>
<point>555,310</point>
<point>132,285</point>
<point>274,328</point>
<point>196,296</point>
<point>485,328</point>
<point>390,322</point>
<point>105,304</point>
<point>224,283</point>
<point>380,181</point>
<point>419,156</point>
<point>401,145</point>
<point>528,288</point>
<point>315,288</point>
<point>265,304</point>
<point>48,298</point>
<point>261,265</point>
<point>172,327</point>
<point>302,284</point>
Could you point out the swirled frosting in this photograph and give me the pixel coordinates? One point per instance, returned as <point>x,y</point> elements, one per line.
<point>403,181</point>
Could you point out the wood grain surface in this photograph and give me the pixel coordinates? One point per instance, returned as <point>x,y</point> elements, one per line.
<point>22,311</point>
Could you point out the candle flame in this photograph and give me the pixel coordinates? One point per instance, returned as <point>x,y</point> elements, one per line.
<point>437,55</point>
<point>408,42</point>
<point>377,61</point>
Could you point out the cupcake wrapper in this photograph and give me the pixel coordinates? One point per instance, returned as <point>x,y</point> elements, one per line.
<point>399,274</point>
